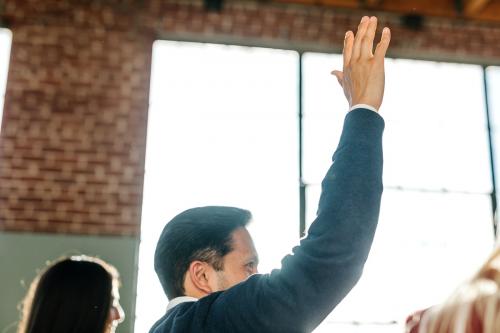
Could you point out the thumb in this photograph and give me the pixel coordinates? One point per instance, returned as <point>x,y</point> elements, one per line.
<point>340,77</point>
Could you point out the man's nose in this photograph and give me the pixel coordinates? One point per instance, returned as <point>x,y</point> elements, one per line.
<point>117,313</point>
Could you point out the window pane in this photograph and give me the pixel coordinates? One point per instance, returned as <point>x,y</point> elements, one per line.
<point>426,244</point>
<point>436,127</point>
<point>5,42</point>
<point>324,110</point>
<point>222,131</point>
<point>435,134</point>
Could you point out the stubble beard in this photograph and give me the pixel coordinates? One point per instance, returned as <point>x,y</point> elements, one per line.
<point>222,283</point>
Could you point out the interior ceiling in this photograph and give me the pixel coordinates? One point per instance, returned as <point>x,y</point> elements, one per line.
<point>478,10</point>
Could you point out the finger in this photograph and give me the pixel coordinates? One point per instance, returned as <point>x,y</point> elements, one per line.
<point>367,41</point>
<point>340,77</point>
<point>348,44</point>
<point>383,45</point>
<point>363,25</point>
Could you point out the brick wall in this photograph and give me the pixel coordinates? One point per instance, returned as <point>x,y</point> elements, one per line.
<point>73,136</point>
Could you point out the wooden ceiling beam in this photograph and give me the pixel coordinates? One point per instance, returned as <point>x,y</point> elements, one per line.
<point>482,10</point>
<point>472,7</point>
<point>373,3</point>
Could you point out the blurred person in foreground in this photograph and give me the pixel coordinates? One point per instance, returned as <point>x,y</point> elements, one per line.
<point>206,260</point>
<point>473,308</point>
<point>78,294</point>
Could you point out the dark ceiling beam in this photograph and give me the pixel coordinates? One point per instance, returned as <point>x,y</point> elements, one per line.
<point>373,3</point>
<point>369,3</point>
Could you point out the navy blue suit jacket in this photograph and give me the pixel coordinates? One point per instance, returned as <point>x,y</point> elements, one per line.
<point>326,265</point>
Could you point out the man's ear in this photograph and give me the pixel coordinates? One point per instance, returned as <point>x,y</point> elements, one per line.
<point>199,274</point>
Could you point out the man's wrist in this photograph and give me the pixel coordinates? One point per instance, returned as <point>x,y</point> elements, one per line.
<point>364,106</point>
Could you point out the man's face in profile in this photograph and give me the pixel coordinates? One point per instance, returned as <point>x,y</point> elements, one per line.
<point>238,264</point>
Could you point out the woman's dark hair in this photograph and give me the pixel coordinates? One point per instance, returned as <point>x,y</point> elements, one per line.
<point>202,233</point>
<point>71,295</point>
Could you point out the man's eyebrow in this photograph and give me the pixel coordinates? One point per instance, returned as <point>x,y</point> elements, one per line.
<point>254,258</point>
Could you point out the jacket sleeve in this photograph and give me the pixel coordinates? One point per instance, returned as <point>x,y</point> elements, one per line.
<point>329,261</point>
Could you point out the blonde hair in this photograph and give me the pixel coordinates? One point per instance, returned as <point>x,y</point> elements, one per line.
<point>473,308</point>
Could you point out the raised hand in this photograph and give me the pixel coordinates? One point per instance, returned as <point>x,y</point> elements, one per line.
<point>363,75</point>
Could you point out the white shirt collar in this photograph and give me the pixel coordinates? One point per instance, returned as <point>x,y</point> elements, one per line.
<point>364,106</point>
<point>178,300</point>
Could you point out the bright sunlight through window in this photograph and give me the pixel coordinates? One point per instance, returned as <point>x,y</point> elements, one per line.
<point>222,131</point>
<point>435,226</point>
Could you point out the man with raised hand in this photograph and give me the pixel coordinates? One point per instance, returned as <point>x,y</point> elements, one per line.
<point>205,258</point>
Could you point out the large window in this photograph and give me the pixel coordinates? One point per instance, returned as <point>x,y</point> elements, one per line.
<point>5,42</point>
<point>224,129</point>
<point>436,222</point>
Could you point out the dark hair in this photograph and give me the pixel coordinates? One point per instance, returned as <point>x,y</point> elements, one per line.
<point>203,233</point>
<point>71,295</point>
